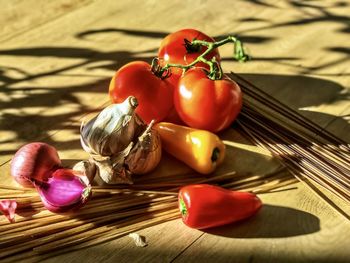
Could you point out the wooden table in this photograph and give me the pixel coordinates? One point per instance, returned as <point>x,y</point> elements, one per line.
<point>56,60</point>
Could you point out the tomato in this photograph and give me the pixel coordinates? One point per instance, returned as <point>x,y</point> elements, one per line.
<point>175,48</point>
<point>207,104</point>
<point>154,95</point>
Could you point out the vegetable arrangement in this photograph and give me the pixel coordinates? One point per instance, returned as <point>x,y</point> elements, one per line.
<point>187,78</point>
<point>177,104</point>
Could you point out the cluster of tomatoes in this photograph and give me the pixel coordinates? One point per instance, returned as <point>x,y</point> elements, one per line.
<point>184,97</point>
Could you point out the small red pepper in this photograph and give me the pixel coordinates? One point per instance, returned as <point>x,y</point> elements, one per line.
<point>204,206</point>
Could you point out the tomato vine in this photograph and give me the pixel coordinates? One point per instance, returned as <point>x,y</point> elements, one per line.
<point>215,71</point>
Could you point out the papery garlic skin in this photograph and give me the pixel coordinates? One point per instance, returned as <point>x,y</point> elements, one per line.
<point>8,209</point>
<point>87,168</point>
<point>146,154</point>
<point>113,129</point>
<point>112,169</point>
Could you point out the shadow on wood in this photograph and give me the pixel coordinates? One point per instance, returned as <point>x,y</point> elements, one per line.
<point>305,94</point>
<point>271,222</point>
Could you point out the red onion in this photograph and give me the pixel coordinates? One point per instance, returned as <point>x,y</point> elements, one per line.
<point>8,208</point>
<point>65,190</point>
<point>34,161</point>
<point>38,164</point>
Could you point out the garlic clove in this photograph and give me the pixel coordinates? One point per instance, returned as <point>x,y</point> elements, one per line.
<point>65,190</point>
<point>113,175</point>
<point>112,169</point>
<point>87,168</point>
<point>147,152</point>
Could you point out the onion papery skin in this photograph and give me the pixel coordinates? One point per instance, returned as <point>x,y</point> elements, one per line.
<point>34,161</point>
<point>8,208</point>
<point>66,190</point>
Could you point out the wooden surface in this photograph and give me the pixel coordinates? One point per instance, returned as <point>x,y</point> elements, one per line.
<point>57,57</point>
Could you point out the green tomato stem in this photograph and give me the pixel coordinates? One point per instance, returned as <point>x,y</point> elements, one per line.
<point>215,70</point>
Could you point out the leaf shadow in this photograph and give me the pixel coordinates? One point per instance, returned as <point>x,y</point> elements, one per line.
<point>130,32</point>
<point>18,119</point>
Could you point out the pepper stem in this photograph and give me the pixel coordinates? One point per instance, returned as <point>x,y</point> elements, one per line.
<point>215,155</point>
<point>215,68</point>
<point>183,208</point>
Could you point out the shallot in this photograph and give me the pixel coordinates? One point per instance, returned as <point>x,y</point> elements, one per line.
<point>34,161</point>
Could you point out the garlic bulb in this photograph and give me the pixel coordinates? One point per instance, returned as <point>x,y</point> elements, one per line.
<point>113,129</point>
<point>118,142</point>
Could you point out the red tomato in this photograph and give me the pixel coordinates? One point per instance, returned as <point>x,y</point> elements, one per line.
<point>207,104</point>
<point>155,96</point>
<point>173,49</point>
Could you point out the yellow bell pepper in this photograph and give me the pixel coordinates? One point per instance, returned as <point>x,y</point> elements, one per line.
<point>202,150</point>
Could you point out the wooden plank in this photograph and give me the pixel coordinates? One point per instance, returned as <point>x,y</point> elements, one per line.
<point>163,246</point>
<point>50,81</point>
<point>57,27</point>
<point>19,16</point>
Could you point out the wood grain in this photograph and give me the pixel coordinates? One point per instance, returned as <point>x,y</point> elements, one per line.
<point>55,64</point>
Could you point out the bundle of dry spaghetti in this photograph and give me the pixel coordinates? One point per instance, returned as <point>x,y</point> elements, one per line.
<point>112,212</point>
<point>312,154</point>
